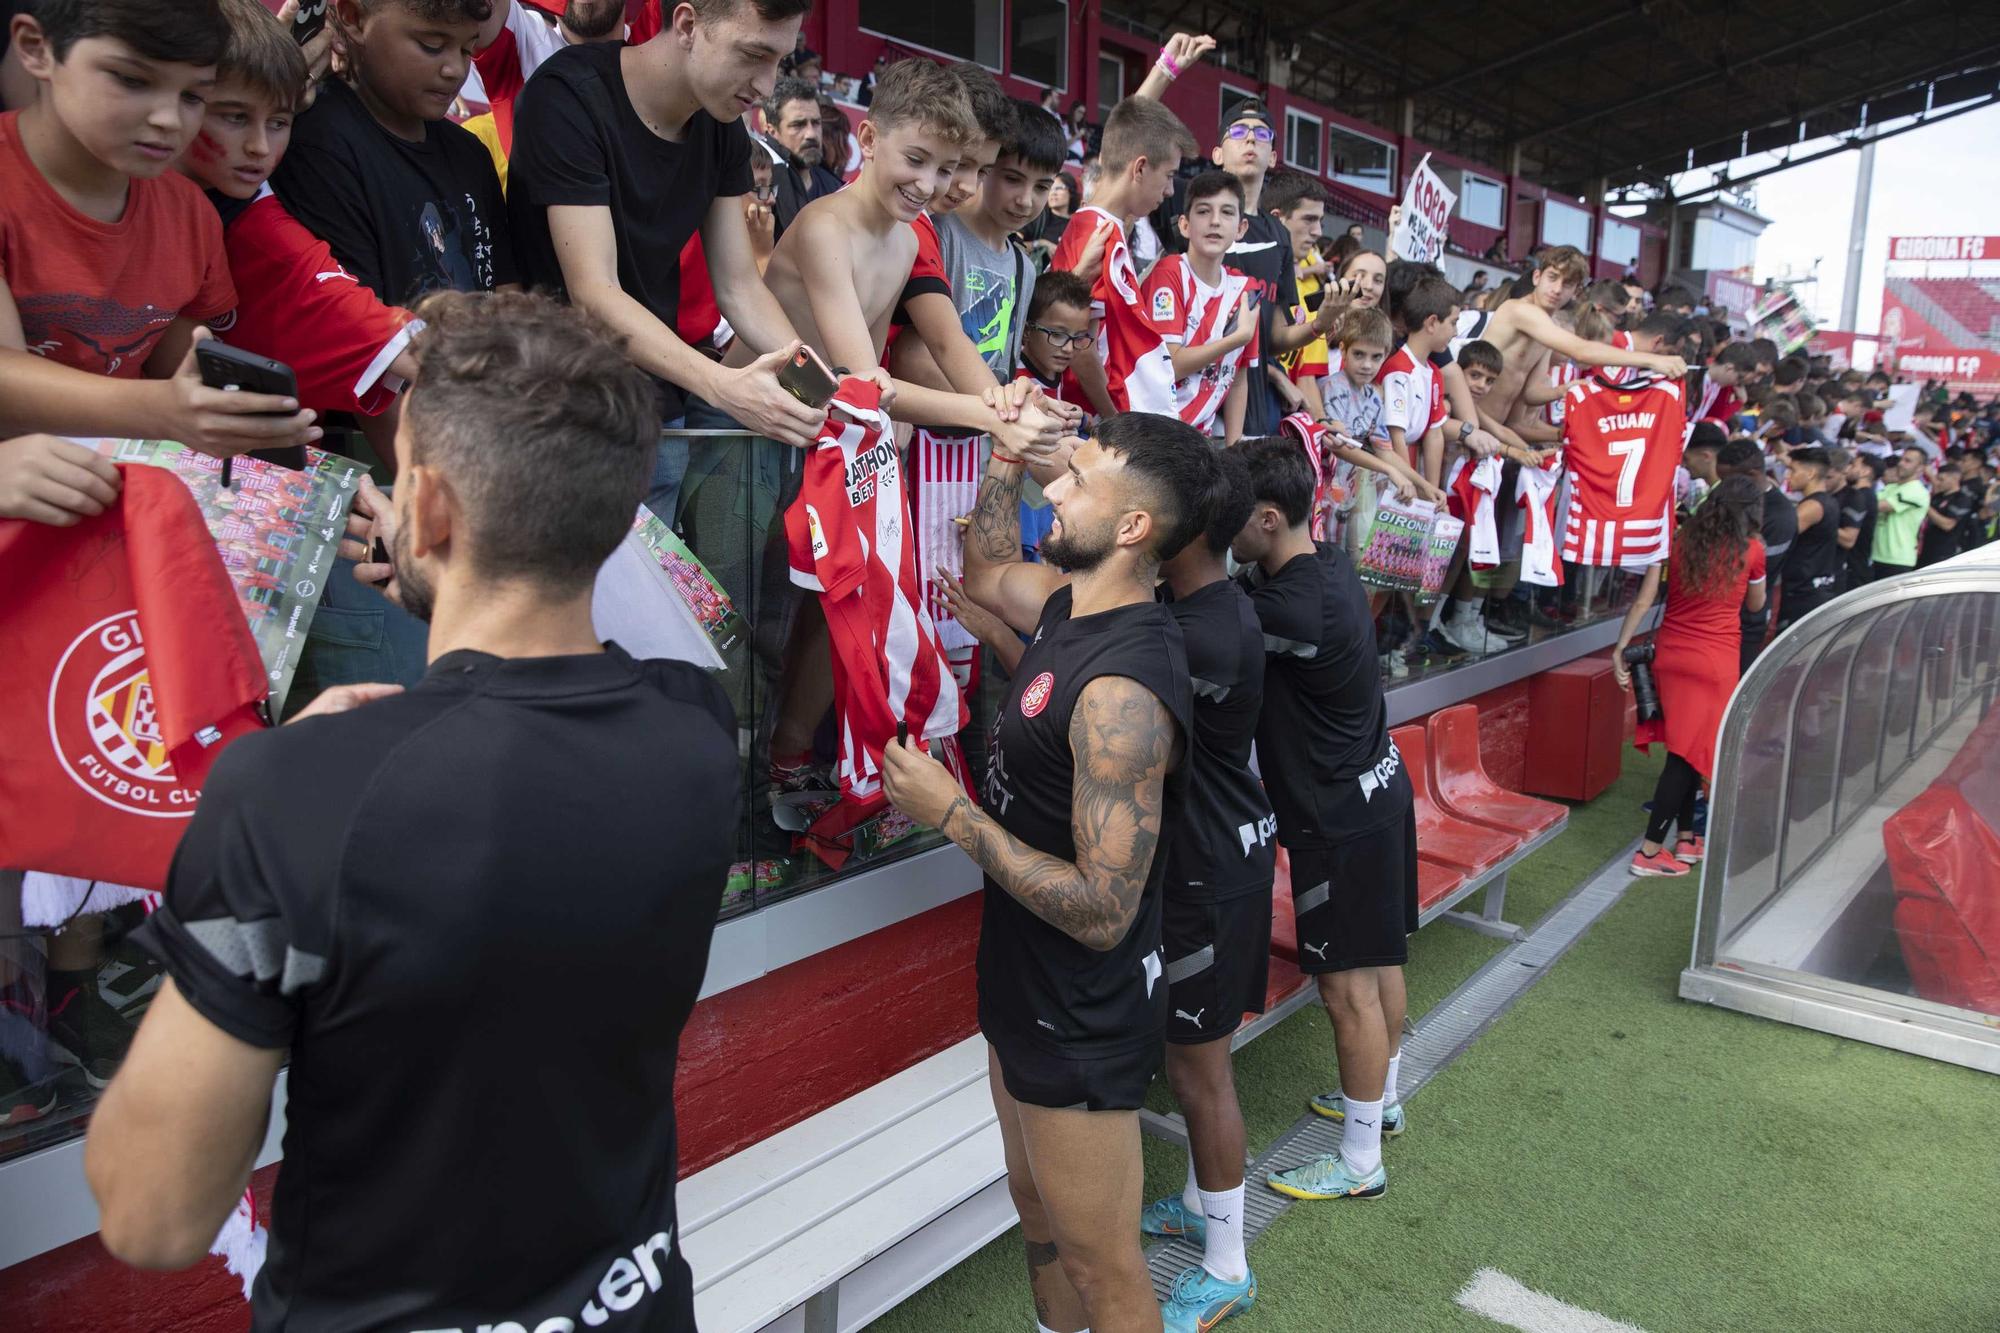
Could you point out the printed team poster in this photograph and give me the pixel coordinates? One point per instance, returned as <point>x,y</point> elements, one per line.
<point>277,530</point>
<point>696,588</point>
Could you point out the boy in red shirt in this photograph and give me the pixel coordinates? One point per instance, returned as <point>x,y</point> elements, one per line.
<point>1129,369</point>
<point>110,262</point>
<point>297,304</point>
<point>1206,313</point>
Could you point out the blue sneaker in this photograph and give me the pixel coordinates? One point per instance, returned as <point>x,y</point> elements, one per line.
<point>1334,1107</point>
<point>1329,1177</point>
<point>1200,1300</point>
<point>1170,1217</point>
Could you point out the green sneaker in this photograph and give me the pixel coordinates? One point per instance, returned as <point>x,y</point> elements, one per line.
<point>1334,1107</point>
<point>1170,1217</point>
<point>1329,1177</point>
<point>1200,1300</point>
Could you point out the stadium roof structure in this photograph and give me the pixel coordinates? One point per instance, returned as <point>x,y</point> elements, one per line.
<point>1628,92</point>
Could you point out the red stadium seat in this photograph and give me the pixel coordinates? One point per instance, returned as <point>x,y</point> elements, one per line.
<point>1458,776</point>
<point>1436,881</point>
<point>1457,843</point>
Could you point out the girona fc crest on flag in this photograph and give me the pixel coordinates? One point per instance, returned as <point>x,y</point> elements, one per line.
<point>105,727</point>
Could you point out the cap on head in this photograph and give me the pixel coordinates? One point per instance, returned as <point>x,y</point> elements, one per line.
<point>1250,108</point>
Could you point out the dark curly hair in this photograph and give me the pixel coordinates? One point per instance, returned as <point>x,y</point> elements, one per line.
<point>1715,540</point>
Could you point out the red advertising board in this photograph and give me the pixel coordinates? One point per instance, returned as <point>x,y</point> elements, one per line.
<point>1954,249</point>
<point>1954,365</point>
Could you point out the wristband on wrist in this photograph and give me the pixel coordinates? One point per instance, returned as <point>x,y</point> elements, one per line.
<point>999,457</point>
<point>1169,65</point>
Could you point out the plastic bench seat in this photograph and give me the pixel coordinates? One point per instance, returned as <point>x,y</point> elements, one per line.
<point>1458,777</point>
<point>1435,881</point>
<point>1457,843</point>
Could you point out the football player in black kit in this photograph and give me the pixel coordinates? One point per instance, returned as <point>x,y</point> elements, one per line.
<point>1084,768</point>
<point>1345,811</point>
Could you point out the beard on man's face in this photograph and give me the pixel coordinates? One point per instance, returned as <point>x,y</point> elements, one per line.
<point>812,152</point>
<point>593,20</point>
<point>416,592</point>
<point>1077,553</point>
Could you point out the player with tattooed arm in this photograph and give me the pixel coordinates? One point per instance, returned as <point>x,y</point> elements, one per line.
<point>1085,767</point>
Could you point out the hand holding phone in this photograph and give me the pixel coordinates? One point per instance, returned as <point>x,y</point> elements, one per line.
<point>233,370</point>
<point>808,378</point>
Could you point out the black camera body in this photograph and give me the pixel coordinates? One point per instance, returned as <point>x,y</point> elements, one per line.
<point>1645,690</point>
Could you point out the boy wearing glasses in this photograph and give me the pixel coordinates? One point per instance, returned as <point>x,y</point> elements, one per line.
<point>1245,151</point>
<point>1058,327</point>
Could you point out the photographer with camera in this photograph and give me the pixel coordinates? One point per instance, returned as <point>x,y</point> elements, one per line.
<point>1691,667</point>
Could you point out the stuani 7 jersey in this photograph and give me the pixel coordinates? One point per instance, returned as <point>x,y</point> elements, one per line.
<point>1621,444</point>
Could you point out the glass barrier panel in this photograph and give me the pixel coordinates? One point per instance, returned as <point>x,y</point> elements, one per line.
<point>1870,677</point>
<point>1900,900</point>
<point>1818,726</point>
<point>1756,809</point>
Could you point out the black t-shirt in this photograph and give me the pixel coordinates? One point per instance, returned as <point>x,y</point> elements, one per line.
<point>1779,529</point>
<point>1857,511</point>
<point>404,218</point>
<point>578,141</point>
<point>1323,738</point>
<point>478,913</point>
<point>1812,566</point>
<point>1942,545</point>
<point>1036,984</point>
<point>1265,255</point>
<point>1225,843</point>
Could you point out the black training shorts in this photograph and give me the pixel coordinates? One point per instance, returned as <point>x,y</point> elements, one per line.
<point>1356,901</point>
<point>1038,1076</point>
<point>1218,965</point>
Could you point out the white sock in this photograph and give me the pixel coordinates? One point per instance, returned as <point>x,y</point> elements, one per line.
<point>1361,1136</point>
<point>1224,1254</point>
<point>1191,1192</point>
<point>1389,1088</point>
<point>1044,1328</point>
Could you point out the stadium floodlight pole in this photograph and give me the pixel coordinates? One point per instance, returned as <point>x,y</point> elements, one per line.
<point>1857,232</point>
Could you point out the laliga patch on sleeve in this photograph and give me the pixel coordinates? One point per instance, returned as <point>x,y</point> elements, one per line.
<point>1163,306</point>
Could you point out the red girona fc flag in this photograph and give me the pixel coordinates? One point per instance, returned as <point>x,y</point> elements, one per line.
<point>125,666</point>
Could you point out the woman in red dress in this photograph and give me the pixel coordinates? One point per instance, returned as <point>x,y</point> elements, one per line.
<point>1716,571</point>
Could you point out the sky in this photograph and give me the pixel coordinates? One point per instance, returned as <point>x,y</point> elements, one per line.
<point>1942,180</point>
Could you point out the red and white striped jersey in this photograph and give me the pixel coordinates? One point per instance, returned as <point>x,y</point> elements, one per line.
<point>1621,444</point>
<point>1138,368</point>
<point>1621,340</point>
<point>1412,396</point>
<point>1470,491</point>
<point>1538,489</point>
<point>944,485</point>
<point>849,538</point>
<point>1190,313</point>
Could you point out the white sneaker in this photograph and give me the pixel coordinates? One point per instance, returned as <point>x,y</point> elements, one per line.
<point>1399,666</point>
<point>1465,630</point>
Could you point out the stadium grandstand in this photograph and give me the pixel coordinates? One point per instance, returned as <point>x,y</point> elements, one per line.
<point>1233,611</point>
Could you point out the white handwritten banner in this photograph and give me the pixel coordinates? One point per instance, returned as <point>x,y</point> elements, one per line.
<point>1426,216</point>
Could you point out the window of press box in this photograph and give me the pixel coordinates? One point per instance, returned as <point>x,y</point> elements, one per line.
<point>1365,163</point>
<point>1565,224</point>
<point>1481,201</point>
<point>961,31</point>
<point>1039,42</point>
<point>1302,136</point>
<point>1620,244</point>
<point>1110,84</point>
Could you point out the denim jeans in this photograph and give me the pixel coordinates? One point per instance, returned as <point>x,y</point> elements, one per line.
<point>670,467</point>
<point>357,637</point>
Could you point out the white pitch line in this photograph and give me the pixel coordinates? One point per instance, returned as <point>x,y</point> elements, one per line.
<point>1503,1300</point>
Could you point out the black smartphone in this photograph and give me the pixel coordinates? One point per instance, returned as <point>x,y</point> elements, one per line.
<point>232,368</point>
<point>310,18</point>
<point>808,378</point>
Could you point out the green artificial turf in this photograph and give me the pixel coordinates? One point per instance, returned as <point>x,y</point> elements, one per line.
<point>1670,1165</point>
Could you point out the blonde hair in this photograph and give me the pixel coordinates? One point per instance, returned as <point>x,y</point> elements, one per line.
<point>919,92</point>
<point>1141,127</point>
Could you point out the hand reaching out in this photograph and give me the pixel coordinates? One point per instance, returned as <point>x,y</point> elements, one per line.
<point>978,621</point>
<point>54,481</point>
<point>1184,48</point>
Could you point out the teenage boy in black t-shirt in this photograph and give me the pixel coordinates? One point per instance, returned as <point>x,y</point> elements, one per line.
<point>1084,774</point>
<point>407,201</point>
<point>502,922</point>
<point>623,153</point>
<point>1345,811</point>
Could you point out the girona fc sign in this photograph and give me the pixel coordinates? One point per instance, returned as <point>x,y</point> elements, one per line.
<point>104,727</point>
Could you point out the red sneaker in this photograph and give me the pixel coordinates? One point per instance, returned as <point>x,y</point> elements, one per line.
<point>1691,850</point>
<point>1661,862</point>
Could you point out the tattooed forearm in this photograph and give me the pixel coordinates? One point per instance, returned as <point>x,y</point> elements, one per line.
<point>1123,739</point>
<point>995,536</point>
